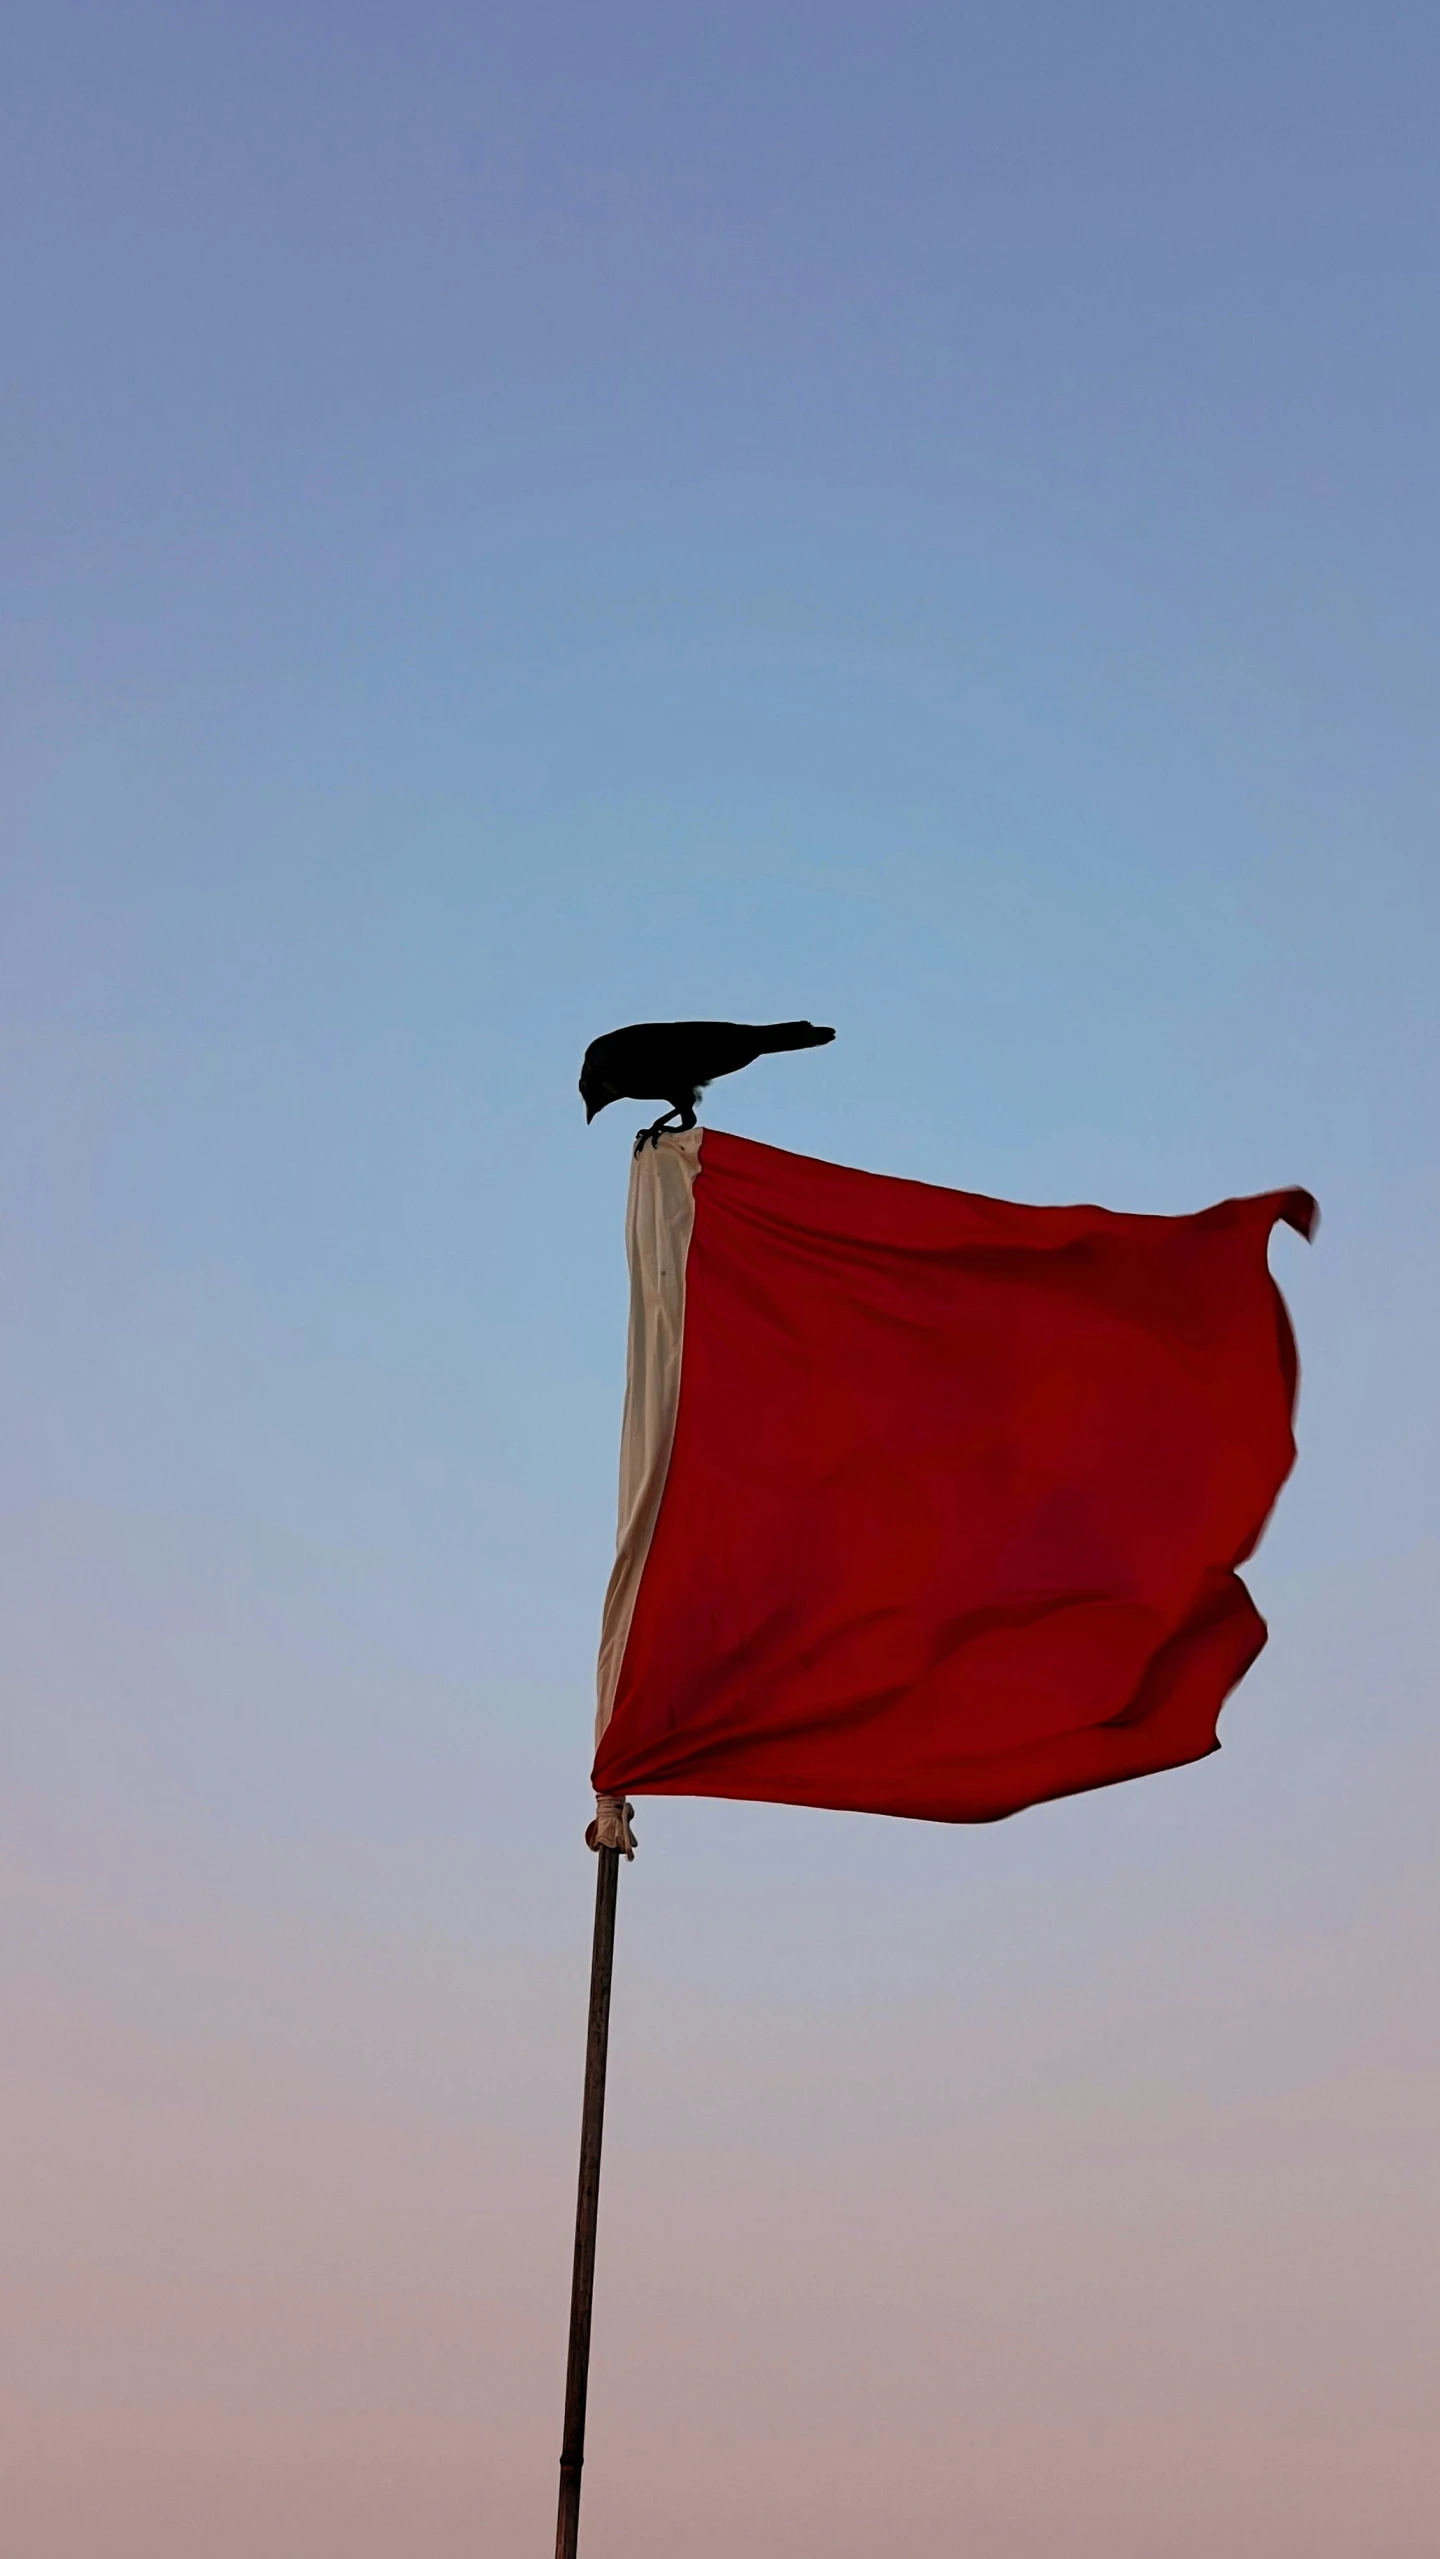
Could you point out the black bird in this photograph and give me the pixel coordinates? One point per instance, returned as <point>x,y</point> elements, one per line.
<point>674,1061</point>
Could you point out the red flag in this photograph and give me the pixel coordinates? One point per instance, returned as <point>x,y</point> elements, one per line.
<point>932,1504</point>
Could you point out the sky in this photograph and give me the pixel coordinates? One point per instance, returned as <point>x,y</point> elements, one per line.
<point>517,520</point>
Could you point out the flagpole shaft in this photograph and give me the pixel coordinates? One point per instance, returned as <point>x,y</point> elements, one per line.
<point>587,2202</point>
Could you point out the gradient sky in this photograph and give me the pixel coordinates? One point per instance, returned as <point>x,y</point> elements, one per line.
<point>518,519</point>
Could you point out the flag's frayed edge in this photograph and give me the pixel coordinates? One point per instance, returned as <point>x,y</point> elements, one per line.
<point>659,1222</point>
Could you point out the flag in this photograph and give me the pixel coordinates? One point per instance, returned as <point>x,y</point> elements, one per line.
<point>931,1504</point>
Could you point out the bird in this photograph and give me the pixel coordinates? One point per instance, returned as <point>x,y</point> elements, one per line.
<point>674,1061</point>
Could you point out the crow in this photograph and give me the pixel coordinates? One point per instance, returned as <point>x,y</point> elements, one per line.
<point>673,1061</point>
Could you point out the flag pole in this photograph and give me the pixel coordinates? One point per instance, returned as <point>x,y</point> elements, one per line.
<point>587,2200</point>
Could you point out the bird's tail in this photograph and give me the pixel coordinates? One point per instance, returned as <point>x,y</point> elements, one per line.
<point>780,1035</point>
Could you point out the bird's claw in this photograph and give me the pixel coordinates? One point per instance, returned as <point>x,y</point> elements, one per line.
<point>657,1129</point>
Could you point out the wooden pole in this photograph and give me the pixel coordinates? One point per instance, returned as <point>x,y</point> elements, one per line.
<point>592,2125</point>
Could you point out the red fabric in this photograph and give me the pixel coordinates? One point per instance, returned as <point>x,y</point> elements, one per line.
<point>956,1496</point>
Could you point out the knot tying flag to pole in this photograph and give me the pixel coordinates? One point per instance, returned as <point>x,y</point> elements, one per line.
<point>611,1826</point>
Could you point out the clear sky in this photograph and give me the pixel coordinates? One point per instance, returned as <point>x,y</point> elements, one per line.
<point>518,519</point>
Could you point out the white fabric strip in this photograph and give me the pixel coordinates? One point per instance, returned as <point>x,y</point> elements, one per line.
<point>658,1225</point>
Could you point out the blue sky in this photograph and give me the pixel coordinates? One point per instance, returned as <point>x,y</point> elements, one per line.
<point>517,521</point>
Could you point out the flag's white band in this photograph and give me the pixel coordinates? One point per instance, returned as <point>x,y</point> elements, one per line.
<point>659,1222</point>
